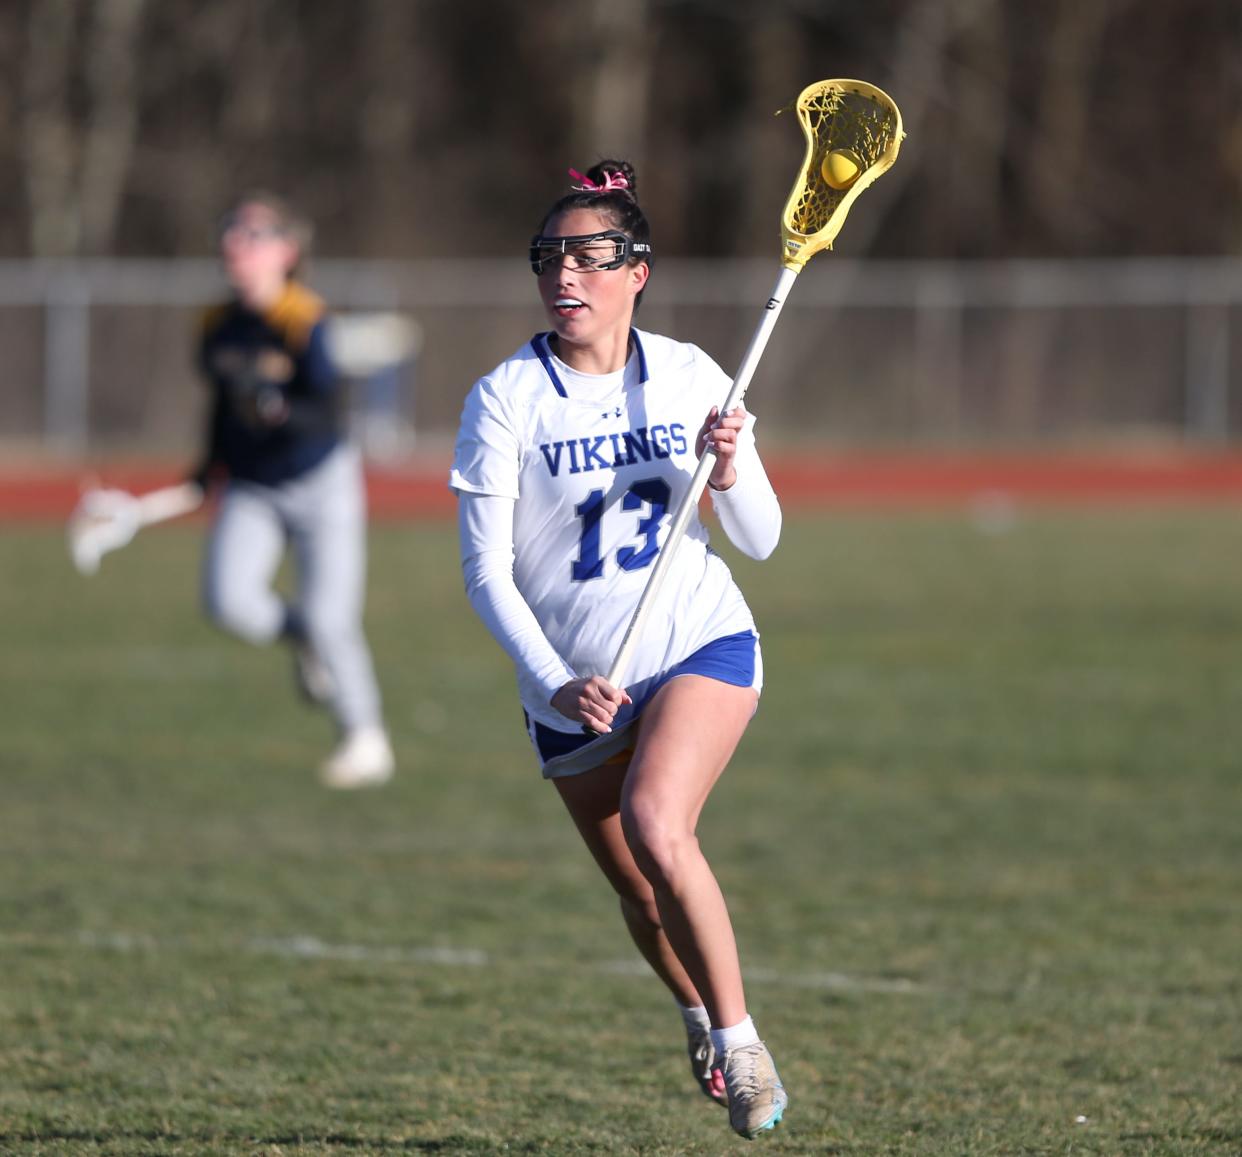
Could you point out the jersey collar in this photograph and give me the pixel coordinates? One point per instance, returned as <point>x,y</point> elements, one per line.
<point>539,343</point>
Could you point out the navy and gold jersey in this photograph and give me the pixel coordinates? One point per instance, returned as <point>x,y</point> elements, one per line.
<point>277,406</point>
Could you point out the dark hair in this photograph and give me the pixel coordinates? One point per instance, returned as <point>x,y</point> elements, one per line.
<point>619,207</point>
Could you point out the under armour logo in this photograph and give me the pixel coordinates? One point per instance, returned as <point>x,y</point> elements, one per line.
<point>613,413</point>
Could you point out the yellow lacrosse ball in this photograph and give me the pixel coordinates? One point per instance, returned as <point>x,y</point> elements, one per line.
<point>841,168</point>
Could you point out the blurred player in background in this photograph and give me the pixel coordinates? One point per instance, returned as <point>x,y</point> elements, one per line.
<point>570,454</point>
<point>276,445</point>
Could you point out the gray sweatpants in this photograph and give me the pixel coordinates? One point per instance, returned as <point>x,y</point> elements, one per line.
<point>321,515</point>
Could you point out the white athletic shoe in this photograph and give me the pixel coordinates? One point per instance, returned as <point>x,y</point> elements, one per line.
<point>703,1063</point>
<point>314,680</point>
<point>363,759</point>
<point>757,1099</point>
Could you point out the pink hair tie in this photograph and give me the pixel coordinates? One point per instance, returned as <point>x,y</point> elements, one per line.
<point>611,181</point>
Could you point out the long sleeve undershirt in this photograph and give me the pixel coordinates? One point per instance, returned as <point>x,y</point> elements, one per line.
<point>749,510</point>
<point>485,525</point>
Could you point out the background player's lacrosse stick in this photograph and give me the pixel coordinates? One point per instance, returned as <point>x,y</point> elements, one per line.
<point>107,519</point>
<point>853,132</point>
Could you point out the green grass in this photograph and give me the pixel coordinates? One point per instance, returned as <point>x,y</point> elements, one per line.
<point>983,847</point>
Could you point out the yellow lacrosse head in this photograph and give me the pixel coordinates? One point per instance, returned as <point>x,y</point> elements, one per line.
<point>853,132</point>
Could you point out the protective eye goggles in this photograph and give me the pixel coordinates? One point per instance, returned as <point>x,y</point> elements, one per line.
<point>230,227</point>
<point>588,253</point>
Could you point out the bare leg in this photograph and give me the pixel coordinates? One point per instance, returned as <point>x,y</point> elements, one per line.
<point>594,801</point>
<point>688,734</point>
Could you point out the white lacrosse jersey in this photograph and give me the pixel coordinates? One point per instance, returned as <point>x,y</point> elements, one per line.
<point>598,464</point>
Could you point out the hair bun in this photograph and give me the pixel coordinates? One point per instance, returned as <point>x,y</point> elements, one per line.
<point>599,173</point>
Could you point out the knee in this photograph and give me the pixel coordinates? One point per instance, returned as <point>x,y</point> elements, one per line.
<point>661,847</point>
<point>227,608</point>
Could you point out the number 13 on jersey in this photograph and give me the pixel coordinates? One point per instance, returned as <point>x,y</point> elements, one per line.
<point>646,503</point>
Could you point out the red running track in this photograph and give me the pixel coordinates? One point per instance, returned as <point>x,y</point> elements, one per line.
<point>48,493</point>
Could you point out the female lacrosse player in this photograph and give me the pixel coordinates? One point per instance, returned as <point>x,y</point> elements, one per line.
<point>275,434</point>
<point>569,456</point>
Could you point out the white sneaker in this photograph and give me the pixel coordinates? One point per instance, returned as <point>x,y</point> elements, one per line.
<point>703,1063</point>
<point>757,1099</point>
<point>363,759</point>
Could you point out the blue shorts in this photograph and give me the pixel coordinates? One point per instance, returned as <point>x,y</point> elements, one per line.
<point>732,659</point>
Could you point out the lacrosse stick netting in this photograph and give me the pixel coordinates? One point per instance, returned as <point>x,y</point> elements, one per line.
<point>834,114</point>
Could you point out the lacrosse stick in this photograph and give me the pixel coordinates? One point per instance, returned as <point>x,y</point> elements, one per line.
<point>107,519</point>
<point>853,132</point>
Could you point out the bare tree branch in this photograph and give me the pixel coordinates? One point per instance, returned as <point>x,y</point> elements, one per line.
<point>614,76</point>
<point>48,142</point>
<point>112,125</point>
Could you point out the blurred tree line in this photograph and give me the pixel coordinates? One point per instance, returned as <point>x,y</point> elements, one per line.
<point>412,128</point>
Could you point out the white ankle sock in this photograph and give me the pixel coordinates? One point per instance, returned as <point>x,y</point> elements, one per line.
<point>695,1017</point>
<point>735,1036</point>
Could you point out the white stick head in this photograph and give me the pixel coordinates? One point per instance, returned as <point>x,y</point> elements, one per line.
<point>102,521</point>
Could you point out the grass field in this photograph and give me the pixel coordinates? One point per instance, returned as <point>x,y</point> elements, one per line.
<point>983,846</point>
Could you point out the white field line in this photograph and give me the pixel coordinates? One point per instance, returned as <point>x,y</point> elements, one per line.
<point>312,948</point>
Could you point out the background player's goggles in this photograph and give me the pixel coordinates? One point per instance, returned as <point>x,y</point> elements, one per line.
<point>589,252</point>
<point>241,230</point>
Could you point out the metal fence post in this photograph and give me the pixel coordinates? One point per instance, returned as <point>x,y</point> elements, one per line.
<point>938,355</point>
<point>1207,372</point>
<point>67,358</point>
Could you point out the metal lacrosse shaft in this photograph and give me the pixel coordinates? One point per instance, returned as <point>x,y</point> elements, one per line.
<point>690,501</point>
